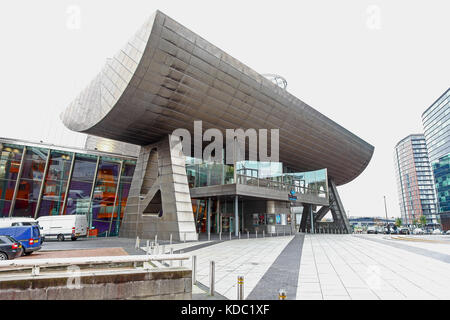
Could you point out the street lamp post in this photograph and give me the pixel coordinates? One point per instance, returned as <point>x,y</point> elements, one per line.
<point>385,210</point>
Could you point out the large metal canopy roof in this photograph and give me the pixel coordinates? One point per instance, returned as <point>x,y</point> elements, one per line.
<point>167,76</point>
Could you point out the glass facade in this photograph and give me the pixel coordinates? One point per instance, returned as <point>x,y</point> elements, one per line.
<point>37,181</point>
<point>436,123</point>
<point>441,170</point>
<point>415,181</point>
<point>255,173</point>
<point>10,160</point>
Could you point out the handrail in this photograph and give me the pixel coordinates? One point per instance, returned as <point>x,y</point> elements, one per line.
<point>90,260</point>
<point>276,185</point>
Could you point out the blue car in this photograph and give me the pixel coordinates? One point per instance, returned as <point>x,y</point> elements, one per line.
<point>28,236</point>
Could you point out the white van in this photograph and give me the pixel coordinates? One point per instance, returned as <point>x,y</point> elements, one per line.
<point>63,227</point>
<point>17,221</point>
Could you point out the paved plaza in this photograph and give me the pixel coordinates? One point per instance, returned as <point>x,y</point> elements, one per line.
<point>329,267</point>
<point>321,266</point>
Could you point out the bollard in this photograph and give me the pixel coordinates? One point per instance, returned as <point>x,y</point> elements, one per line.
<point>184,237</point>
<point>156,239</point>
<point>137,243</point>
<point>211,277</point>
<point>230,235</point>
<point>220,236</point>
<point>256,237</point>
<point>282,294</point>
<point>181,261</point>
<point>194,270</point>
<point>240,288</point>
<point>248,235</point>
<point>163,249</point>
<point>170,241</point>
<point>209,236</point>
<point>148,246</point>
<point>171,253</point>
<point>277,232</point>
<point>264,233</point>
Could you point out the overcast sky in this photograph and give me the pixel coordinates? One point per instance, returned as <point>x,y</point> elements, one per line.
<point>372,66</point>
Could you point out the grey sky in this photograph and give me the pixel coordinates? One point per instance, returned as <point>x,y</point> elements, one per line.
<point>373,74</point>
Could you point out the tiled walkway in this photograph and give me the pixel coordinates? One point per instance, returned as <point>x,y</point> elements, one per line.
<point>352,267</point>
<point>322,266</point>
<point>250,258</point>
<point>282,274</point>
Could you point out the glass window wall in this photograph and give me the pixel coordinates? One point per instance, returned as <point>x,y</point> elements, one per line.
<point>30,182</point>
<point>55,184</point>
<point>10,159</point>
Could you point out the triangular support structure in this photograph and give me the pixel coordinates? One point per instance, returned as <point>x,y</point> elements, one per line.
<point>340,223</point>
<point>159,202</point>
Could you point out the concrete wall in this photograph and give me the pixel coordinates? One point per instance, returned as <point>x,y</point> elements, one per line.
<point>168,284</point>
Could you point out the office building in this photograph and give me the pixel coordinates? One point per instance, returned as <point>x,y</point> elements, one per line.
<point>436,123</point>
<point>414,181</point>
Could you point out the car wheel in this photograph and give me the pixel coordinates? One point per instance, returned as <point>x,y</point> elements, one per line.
<point>3,256</point>
<point>28,253</point>
<point>60,237</point>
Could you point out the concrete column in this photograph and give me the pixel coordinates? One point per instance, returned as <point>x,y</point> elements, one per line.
<point>312,219</point>
<point>236,216</point>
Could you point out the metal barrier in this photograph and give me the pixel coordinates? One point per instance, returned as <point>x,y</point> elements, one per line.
<point>212,277</point>
<point>137,245</point>
<point>36,265</point>
<point>194,270</point>
<point>282,294</point>
<point>240,288</point>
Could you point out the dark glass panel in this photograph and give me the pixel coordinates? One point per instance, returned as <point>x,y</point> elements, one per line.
<point>104,196</point>
<point>81,184</point>
<point>4,208</point>
<point>55,183</point>
<point>30,183</point>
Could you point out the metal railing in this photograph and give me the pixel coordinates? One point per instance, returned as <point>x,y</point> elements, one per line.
<point>277,185</point>
<point>36,265</point>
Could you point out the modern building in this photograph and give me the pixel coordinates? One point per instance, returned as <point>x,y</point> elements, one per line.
<point>414,180</point>
<point>111,146</point>
<point>166,78</point>
<point>40,180</point>
<point>436,123</point>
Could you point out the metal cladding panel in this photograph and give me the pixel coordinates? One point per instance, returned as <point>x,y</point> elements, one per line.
<point>167,77</point>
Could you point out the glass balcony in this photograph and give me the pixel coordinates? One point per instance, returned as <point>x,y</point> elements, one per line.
<point>267,175</point>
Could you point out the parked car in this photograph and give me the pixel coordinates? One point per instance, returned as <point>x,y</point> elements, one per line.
<point>418,231</point>
<point>437,231</point>
<point>372,230</point>
<point>404,230</point>
<point>28,236</point>
<point>63,227</point>
<point>448,232</point>
<point>11,222</point>
<point>9,248</point>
